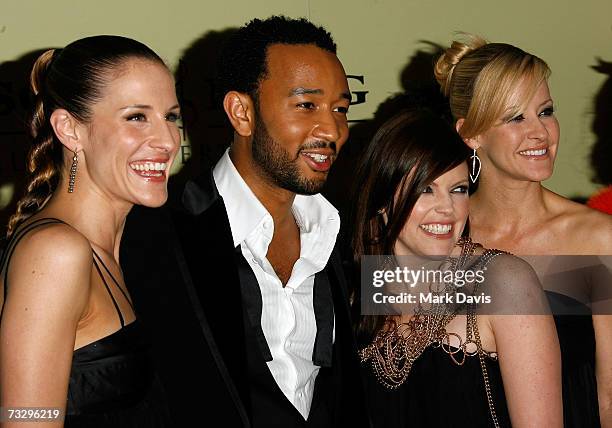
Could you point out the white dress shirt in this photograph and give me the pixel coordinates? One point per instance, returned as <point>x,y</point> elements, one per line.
<point>287,318</point>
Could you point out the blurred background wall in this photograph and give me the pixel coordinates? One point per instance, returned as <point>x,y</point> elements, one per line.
<point>387,46</point>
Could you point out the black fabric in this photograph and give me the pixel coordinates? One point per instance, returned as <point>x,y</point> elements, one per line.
<point>438,393</point>
<point>111,382</point>
<point>189,300</point>
<point>577,342</point>
<point>323,308</point>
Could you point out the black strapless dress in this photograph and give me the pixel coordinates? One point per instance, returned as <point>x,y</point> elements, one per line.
<point>438,393</point>
<point>577,342</point>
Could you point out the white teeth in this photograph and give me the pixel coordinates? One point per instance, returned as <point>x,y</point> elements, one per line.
<point>437,229</point>
<point>534,152</point>
<point>317,157</point>
<point>149,166</point>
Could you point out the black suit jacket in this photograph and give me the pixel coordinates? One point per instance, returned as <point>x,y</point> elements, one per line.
<point>179,266</point>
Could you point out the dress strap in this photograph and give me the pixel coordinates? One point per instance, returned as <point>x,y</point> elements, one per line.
<point>473,335</point>
<point>12,244</point>
<point>121,320</point>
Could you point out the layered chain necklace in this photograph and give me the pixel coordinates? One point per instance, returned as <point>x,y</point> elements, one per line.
<point>394,350</point>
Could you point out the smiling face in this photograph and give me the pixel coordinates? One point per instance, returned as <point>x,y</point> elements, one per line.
<point>438,217</point>
<point>133,135</point>
<point>301,121</point>
<point>524,146</point>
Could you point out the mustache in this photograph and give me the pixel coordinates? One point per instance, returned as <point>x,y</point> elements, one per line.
<point>320,145</point>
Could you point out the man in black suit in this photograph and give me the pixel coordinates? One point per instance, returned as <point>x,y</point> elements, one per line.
<point>242,290</point>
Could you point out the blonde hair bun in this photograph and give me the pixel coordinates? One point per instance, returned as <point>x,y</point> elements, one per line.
<point>445,65</point>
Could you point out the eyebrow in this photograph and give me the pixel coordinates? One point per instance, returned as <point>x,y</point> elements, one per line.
<point>546,102</point>
<point>306,91</point>
<point>433,183</point>
<point>146,107</point>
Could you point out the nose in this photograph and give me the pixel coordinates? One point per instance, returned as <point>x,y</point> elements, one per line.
<point>538,130</point>
<point>328,127</point>
<point>444,203</point>
<point>166,136</point>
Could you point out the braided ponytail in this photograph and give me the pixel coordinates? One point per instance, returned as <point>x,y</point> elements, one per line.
<point>72,79</point>
<point>45,156</point>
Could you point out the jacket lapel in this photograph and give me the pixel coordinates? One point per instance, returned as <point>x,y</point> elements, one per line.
<point>212,277</point>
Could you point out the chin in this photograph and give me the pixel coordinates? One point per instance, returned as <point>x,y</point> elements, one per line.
<point>152,201</point>
<point>539,175</point>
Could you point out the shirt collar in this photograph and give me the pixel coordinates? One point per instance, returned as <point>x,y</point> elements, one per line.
<point>245,212</point>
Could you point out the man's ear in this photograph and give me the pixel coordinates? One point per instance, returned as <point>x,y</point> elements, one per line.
<point>472,142</point>
<point>240,108</point>
<point>67,129</point>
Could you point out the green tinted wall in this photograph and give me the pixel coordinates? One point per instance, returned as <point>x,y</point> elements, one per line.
<point>378,40</point>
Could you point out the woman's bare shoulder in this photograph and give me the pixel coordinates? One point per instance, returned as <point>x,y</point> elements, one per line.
<point>52,255</point>
<point>588,230</point>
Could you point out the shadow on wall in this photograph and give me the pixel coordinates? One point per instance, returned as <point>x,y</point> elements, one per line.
<point>204,124</point>
<point>419,89</point>
<point>15,105</point>
<point>206,131</point>
<point>601,152</point>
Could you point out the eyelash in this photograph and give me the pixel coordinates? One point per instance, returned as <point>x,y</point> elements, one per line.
<point>140,117</point>
<point>547,112</point>
<point>136,117</point>
<point>310,106</point>
<point>173,117</point>
<point>458,189</point>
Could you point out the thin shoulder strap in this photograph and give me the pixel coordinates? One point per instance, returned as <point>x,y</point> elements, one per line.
<point>113,278</point>
<point>12,244</point>
<point>474,335</point>
<point>121,320</point>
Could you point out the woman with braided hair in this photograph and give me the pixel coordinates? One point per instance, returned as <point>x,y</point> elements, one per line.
<point>104,133</point>
<point>504,112</point>
<point>439,360</point>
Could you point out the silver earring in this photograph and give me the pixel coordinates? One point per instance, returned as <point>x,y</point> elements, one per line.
<point>475,172</point>
<point>73,171</point>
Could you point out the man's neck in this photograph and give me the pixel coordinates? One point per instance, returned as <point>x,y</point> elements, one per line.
<point>276,200</point>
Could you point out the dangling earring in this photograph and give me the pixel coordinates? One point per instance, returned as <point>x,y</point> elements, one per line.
<point>475,172</point>
<point>73,171</point>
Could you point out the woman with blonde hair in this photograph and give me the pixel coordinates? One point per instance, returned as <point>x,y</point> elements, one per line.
<point>504,112</point>
<point>104,133</point>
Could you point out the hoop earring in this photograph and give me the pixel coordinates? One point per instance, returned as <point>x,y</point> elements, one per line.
<point>475,172</point>
<point>73,171</point>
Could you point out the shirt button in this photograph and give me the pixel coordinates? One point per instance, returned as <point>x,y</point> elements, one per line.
<point>266,224</point>
<point>288,291</point>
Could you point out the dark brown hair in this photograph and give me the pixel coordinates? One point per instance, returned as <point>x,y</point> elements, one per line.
<point>72,78</point>
<point>406,155</point>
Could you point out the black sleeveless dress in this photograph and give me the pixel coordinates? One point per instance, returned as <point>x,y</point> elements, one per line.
<point>112,382</point>
<point>440,390</point>
<point>438,393</point>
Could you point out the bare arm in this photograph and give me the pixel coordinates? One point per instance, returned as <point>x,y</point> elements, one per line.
<point>602,324</point>
<point>603,366</point>
<point>48,290</point>
<point>527,345</point>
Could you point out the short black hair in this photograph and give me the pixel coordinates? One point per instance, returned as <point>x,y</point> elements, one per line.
<point>243,64</point>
